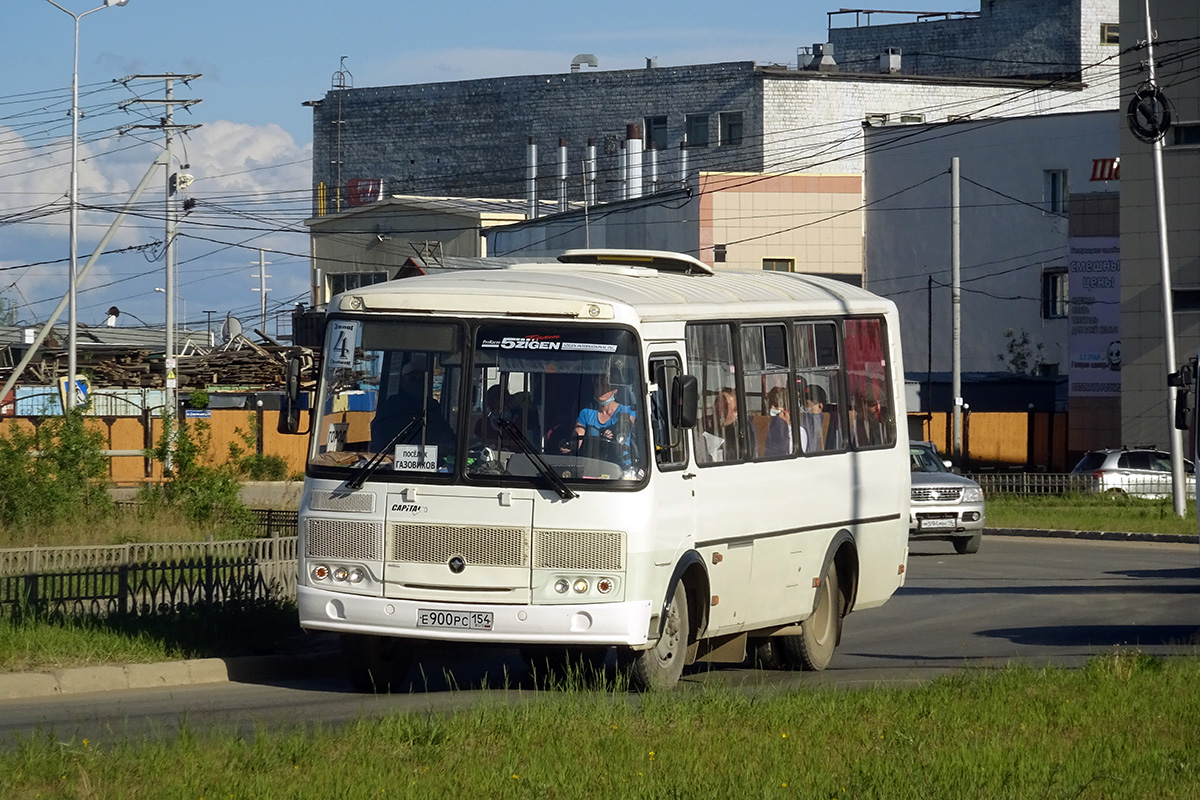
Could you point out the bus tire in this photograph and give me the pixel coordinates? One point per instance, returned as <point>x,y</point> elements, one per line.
<point>813,647</point>
<point>964,545</point>
<point>376,664</point>
<point>659,668</point>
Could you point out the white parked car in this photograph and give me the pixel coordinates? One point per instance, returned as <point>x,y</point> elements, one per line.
<point>945,506</point>
<point>1137,471</point>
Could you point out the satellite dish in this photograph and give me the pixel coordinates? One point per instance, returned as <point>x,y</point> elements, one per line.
<point>231,329</point>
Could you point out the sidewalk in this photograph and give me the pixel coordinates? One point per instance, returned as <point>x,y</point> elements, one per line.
<point>317,655</point>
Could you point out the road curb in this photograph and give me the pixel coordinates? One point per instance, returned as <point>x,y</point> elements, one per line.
<point>190,672</point>
<point>1104,536</point>
<point>251,669</point>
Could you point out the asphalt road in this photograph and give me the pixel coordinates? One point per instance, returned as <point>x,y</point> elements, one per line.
<point>1033,601</point>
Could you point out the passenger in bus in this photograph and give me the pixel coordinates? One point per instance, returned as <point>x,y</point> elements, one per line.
<point>411,400</point>
<point>866,420</point>
<point>499,404</point>
<point>605,430</point>
<point>812,422</point>
<point>779,431</point>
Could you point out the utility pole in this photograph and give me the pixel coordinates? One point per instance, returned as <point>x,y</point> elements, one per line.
<point>1178,486</point>
<point>956,313</point>
<point>174,182</point>
<point>262,288</point>
<point>208,324</point>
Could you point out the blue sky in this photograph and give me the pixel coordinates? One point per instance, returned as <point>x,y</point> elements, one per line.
<point>260,60</point>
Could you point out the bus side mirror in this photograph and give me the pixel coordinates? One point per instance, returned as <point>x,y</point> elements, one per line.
<point>289,413</point>
<point>687,398</point>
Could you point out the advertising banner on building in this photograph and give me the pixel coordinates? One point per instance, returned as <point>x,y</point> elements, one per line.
<point>1094,284</point>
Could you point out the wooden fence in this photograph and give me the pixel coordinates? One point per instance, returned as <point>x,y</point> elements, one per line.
<point>225,426</point>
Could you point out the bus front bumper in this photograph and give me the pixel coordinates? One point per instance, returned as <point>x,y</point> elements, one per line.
<point>624,623</point>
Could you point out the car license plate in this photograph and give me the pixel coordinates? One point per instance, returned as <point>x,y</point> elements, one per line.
<point>456,620</point>
<point>935,523</point>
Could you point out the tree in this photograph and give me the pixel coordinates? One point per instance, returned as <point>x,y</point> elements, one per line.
<point>1021,356</point>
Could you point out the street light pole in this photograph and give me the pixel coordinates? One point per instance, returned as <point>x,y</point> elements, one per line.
<point>72,336</point>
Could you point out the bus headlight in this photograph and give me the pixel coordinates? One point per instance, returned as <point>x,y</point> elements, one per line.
<point>357,575</point>
<point>580,586</point>
<point>562,585</point>
<point>320,572</point>
<point>605,585</point>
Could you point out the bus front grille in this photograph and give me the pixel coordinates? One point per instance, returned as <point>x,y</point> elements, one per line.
<point>329,538</point>
<point>579,550</point>
<point>479,545</point>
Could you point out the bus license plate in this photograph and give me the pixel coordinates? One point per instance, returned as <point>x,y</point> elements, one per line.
<point>935,522</point>
<point>457,620</point>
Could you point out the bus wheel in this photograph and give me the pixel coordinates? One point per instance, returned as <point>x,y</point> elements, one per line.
<point>660,667</point>
<point>813,647</point>
<point>968,544</point>
<point>376,664</point>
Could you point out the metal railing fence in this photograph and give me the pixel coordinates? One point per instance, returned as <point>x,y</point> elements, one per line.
<point>1048,483</point>
<point>145,578</point>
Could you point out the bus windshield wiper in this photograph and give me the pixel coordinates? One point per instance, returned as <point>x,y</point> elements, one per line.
<point>556,483</point>
<point>368,469</point>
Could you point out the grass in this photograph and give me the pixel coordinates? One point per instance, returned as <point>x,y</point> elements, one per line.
<point>123,526</point>
<point>1123,727</point>
<point>38,645</point>
<point>1088,512</point>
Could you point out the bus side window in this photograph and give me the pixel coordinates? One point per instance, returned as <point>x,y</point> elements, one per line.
<point>818,378</point>
<point>719,436</point>
<point>670,443</point>
<point>872,420</point>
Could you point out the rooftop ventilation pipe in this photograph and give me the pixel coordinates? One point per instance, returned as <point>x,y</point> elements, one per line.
<point>633,152</point>
<point>562,174</point>
<point>822,60</point>
<point>589,194</point>
<point>531,194</point>
<point>889,61</point>
<point>683,163</point>
<point>583,58</point>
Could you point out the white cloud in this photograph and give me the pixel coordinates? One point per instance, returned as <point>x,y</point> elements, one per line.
<point>257,176</point>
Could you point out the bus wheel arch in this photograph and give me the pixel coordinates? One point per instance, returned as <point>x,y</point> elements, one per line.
<point>682,617</point>
<point>821,631</point>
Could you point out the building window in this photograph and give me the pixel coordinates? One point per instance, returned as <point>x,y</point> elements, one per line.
<point>696,129</point>
<point>718,254</point>
<point>731,128</point>
<point>345,281</point>
<point>656,133</point>
<point>1055,191</point>
<point>1109,33</point>
<point>1186,133</point>
<point>1056,299</point>
<point>779,264</point>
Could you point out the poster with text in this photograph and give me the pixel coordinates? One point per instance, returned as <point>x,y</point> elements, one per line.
<point>1094,286</point>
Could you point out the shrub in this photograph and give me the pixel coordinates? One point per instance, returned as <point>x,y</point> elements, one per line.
<point>201,492</point>
<point>252,464</point>
<point>53,474</point>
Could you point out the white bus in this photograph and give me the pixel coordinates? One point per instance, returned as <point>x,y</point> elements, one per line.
<point>623,450</point>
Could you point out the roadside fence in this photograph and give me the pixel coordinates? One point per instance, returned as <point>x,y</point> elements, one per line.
<point>151,578</point>
<point>1146,485</point>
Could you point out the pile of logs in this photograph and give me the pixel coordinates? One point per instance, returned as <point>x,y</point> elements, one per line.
<point>252,365</point>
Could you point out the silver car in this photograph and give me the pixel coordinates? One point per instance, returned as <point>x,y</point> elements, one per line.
<point>945,506</point>
<point>1137,471</point>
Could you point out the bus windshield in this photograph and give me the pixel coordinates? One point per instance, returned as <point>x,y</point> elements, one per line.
<point>396,400</point>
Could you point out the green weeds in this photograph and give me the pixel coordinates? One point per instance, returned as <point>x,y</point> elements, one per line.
<point>1122,728</point>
